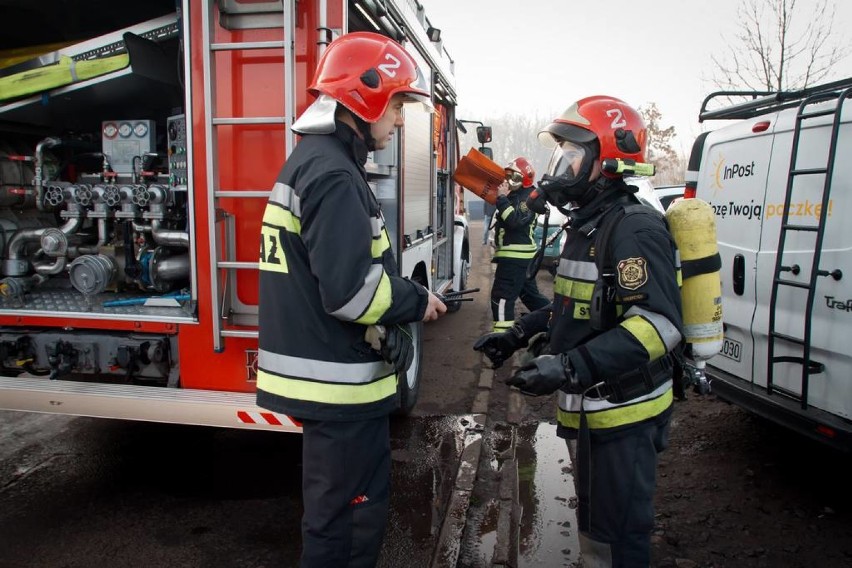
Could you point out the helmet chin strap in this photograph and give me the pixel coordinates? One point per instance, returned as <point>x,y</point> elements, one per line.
<point>364,129</point>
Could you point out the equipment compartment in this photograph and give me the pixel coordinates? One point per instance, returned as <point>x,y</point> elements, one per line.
<point>94,203</point>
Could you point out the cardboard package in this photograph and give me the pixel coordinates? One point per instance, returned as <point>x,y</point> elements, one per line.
<point>476,173</point>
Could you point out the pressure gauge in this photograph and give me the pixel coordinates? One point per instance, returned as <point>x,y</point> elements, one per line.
<point>140,129</point>
<point>110,130</point>
<point>125,130</point>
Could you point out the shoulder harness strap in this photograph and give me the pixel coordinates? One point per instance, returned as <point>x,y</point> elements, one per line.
<point>603,306</point>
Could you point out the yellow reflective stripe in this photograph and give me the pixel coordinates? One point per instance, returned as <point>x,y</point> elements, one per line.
<point>519,247</point>
<point>574,288</point>
<point>503,325</point>
<point>277,216</point>
<point>380,244</point>
<point>620,415</point>
<point>272,256</point>
<point>507,212</point>
<point>513,254</point>
<point>328,393</point>
<point>666,330</point>
<point>646,334</point>
<point>380,303</point>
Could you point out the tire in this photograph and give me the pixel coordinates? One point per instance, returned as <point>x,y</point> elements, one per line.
<point>453,307</point>
<point>408,387</point>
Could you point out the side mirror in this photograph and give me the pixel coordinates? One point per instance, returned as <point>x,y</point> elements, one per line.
<point>483,134</point>
<point>487,152</point>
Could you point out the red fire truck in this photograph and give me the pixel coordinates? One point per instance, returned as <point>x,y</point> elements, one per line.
<point>135,163</point>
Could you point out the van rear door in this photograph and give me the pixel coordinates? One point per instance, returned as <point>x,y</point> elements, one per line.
<point>732,178</point>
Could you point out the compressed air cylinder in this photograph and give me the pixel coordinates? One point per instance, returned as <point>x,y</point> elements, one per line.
<point>693,225</point>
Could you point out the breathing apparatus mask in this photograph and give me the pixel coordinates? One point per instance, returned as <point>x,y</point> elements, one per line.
<point>514,179</point>
<point>567,178</point>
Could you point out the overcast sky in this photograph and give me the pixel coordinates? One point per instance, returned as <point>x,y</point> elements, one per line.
<point>540,55</point>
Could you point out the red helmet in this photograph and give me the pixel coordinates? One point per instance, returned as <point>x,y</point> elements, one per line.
<point>363,70</point>
<point>617,127</point>
<point>523,167</point>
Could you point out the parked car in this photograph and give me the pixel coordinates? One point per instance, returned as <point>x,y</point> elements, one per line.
<point>554,225</point>
<point>647,193</point>
<point>668,193</point>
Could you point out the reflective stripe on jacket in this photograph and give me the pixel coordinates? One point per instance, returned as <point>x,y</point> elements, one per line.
<point>327,272</point>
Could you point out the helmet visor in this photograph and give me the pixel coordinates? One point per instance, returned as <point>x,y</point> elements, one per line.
<point>418,98</point>
<point>566,156</point>
<point>418,91</point>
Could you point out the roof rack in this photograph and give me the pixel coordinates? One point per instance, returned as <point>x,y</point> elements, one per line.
<point>763,102</point>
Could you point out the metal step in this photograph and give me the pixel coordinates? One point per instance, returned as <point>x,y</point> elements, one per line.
<point>246,45</point>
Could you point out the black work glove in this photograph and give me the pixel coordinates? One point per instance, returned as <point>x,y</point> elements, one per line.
<point>499,346</point>
<point>394,343</point>
<point>546,374</point>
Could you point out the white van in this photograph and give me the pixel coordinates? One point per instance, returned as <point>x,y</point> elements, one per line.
<point>780,182</point>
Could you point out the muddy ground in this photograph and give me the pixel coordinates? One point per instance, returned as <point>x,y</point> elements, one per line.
<point>736,490</point>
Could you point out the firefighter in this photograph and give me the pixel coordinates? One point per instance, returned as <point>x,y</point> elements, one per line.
<point>327,275</point>
<point>514,246</point>
<point>613,329</point>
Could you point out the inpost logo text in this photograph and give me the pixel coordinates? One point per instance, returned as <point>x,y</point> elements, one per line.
<point>722,172</point>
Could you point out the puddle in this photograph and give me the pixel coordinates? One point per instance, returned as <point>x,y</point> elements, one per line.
<point>425,453</point>
<point>548,534</point>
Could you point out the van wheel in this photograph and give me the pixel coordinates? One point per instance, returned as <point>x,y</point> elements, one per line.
<point>408,386</point>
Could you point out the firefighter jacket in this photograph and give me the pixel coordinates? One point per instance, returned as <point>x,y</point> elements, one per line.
<point>327,272</point>
<point>514,226</point>
<point>646,328</point>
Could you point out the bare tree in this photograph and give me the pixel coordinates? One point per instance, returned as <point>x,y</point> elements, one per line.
<point>513,135</point>
<point>661,153</point>
<point>659,138</point>
<point>780,45</point>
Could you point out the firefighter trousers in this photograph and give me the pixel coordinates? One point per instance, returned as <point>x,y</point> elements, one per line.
<point>346,490</point>
<point>616,479</point>
<point>510,283</point>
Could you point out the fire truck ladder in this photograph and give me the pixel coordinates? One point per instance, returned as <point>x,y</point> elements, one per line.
<point>226,306</point>
<point>809,367</point>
